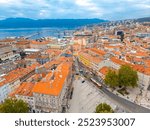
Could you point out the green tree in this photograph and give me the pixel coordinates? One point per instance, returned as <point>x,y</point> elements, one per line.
<point>111,79</point>
<point>127,76</point>
<point>14,106</point>
<point>104,108</point>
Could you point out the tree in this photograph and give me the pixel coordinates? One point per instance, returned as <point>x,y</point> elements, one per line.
<point>111,79</point>
<point>104,108</point>
<point>14,106</point>
<point>127,76</point>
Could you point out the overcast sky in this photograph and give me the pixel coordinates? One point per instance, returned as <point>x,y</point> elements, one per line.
<point>103,9</point>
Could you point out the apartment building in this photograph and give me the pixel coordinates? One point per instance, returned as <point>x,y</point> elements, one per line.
<point>5,52</point>
<point>3,89</point>
<point>23,44</point>
<point>13,79</point>
<point>9,41</point>
<point>57,46</point>
<point>52,53</point>
<point>50,94</point>
<point>115,63</point>
<point>7,85</point>
<point>39,44</point>
<point>24,92</point>
<point>91,58</point>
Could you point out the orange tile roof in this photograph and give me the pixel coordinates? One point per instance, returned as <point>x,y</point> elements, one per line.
<point>55,51</point>
<point>108,46</point>
<point>3,82</point>
<point>120,62</point>
<point>25,89</point>
<point>117,52</point>
<point>48,65</point>
<point>8,40</point>
<point>22,42</point>
<point>144,54</point>
<point>142,69</point>
<point>104,70</point>
<point>33,56</point>
<point>139,68</point>
<point>37,77</point>
<point>39,43</point>
<point>90,58</point>
<point>18,73</point>
<point>137,59</point>
<point>48,76</point>
<point>54,86</point>
<point>100,52</point>
<point>147,63</point>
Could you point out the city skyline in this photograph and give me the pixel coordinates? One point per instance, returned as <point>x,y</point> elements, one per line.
<point>66,9</point>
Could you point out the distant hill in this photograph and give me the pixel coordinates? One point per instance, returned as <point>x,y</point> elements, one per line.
<point>146,19</point>
<point>30,23</point>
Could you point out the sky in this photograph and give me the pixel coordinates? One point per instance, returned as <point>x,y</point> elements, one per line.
<point>76,9</point>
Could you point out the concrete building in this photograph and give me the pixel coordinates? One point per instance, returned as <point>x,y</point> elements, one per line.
<point>24,44</point>
<point>9,41</point>
<point>39,45</point>
<point>5,52</point>
<point>50,94</point>
<point>143,73</point>
<point>13,79</point>
<point>24,92</point>
<point>3,90</point>
<point>42,59</point>
<point>57,46</point>
<point>92,57</point>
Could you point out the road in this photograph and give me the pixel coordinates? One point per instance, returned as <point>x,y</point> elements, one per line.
<point>128,105</point>
<point>132,107</point>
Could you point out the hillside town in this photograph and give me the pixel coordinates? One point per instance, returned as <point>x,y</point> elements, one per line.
<point>68,74</point>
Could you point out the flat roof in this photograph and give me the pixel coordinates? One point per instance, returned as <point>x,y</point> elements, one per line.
<point>32,50</point>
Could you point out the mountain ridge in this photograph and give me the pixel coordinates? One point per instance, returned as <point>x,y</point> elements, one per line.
<point>144,19</point>
<point>31,23</point>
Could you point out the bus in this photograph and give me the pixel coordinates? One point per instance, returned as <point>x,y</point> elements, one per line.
<point>96,83</point>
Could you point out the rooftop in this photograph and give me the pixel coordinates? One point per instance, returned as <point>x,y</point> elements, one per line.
<point>100,52</point>
<point>25,89</point>
<point>91,58</point>
<point>39,43</point>
<point>17,74</point>
<point>53,86</point>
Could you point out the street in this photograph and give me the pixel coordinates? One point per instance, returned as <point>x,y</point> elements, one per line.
<point>128,105</point>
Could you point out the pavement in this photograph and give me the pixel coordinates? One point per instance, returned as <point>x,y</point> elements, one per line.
<point>128,104</point>
<point>86,96</point>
